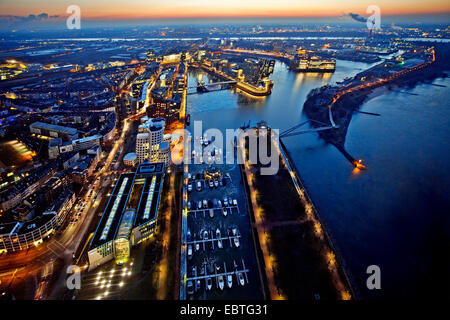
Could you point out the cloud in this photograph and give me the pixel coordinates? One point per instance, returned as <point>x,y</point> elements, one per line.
<point>29,18</point>
<point>357,17</point>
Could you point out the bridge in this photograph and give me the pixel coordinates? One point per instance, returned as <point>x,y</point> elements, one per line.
<point>292,131</point>
<point>212,84</point>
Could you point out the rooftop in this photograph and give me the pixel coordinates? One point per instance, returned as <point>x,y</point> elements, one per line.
<point>53,127</point>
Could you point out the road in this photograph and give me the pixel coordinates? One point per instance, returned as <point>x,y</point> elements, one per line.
<point>26,265</point>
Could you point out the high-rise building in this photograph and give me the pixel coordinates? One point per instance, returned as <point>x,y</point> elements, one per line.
<point>149,142</point>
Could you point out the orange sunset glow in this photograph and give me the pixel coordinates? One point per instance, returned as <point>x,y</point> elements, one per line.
<point>138,9</point>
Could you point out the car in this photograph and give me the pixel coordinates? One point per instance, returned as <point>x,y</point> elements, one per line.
<point>199,186</point>
<point>216,183</point>
<point>225,202</point>
<point>230,201</point>
<point>189,187</point>
<point>205,204</point>
<point>234,202</point>
<point>211,184</point>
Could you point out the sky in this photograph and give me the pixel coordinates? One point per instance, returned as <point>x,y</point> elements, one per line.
<point>160,9</point>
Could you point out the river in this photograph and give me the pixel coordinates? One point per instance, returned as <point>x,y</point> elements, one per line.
<point>395,214</point>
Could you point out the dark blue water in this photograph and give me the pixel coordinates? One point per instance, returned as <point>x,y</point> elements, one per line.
<point>396,213</point>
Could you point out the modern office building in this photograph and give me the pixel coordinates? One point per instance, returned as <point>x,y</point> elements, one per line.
<point>15,236</point>
<point>81,144</point>
<point>130,159</point>
<point>53,131</point>
<point>149,142</point>
<point>53,148</point>
<point>130,215</point>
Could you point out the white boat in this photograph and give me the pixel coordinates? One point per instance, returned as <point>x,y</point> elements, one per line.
<point>208,283</point>
<point>241,279</point>
<point>190,251</point>
<point>221,282</point>
<point>219,241</point>
<point>224,211</point>
<point>236,242</point>
<point>229,280</point>
<point>211,213</point>
<point>197,246</point>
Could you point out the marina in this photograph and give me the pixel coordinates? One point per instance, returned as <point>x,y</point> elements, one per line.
<point>220,261</point>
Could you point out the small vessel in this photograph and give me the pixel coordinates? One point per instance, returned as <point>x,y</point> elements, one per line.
<point>235,235</point>
<point>197,246</point>
<point>190,287</point>
<point>202,271</point>
<point>229,280</point>
<point>189,251</point>
<point>221,282</point>
<point>208,283</point>
<point>241,279</point>
<point>188,119</point>
<point>224,211</point>
<point>236,242</point>
<point>198,285</point>
<point>219,241</point>
<point>211,213</point>
<point>189,234</point>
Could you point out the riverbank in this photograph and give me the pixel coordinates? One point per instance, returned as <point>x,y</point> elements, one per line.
<point>290,234</point>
